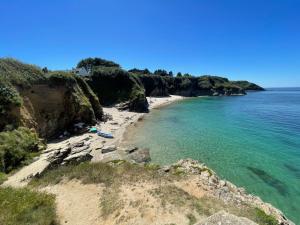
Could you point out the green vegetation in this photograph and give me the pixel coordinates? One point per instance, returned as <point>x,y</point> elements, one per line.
<point>23,207</point>
<point>262,218</point>
<point>91,96</point>
<point>10,102</point>
<point>140,72</point>
<point>58,78</point>
<point>109,174</point>
<point>247,85</point>
<point>192,219</point>
<point>114,85</point>
<point>163,73</point>
<point>16,147</point>
<point>3,177</point>
<point>90,63</point>
<point>20,74</point>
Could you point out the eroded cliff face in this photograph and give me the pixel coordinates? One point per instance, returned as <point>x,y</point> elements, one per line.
<point>53,109</point>
<point>49,103</point>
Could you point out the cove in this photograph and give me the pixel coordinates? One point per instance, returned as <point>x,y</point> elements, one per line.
<point>252,141</point>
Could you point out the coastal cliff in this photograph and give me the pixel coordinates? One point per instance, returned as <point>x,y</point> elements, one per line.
<point>47,102</point>
<point>190,86</point>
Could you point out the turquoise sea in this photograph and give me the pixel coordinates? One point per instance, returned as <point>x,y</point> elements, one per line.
<point>252,141</point>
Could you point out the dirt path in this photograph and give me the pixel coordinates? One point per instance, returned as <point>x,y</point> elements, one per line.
<point>76,203</point>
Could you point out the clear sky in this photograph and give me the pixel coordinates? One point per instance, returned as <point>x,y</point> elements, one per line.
<point>257,40</point>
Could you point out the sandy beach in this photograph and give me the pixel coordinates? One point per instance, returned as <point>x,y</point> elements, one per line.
<point>117,125</point>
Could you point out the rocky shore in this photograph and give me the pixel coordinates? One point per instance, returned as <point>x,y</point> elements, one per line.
<point>225,190</point>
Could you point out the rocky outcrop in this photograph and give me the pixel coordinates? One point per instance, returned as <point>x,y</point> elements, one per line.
<point>131,154</point>
<point>223,189</point>
<point>115,86</point>
<point>70,154</point>
<point>225,218</point>
<point>248,86</point>
<point>50,103</point>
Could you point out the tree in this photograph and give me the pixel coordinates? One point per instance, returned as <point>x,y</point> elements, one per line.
<point>45,70</point>
<point>187,75</point>
<point>171,74</point>
<point>161,72</point>
<point>179,74</point>
<point>89,63</point>
<point>139,72</point>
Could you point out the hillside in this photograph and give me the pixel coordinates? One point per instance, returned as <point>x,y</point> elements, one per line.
<point>248,86</point>
<point>47,102</point>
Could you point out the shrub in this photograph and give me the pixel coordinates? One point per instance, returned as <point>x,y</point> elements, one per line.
<point>17,146</point>
<point>23,206</point>
<point>9,101</point>
<point>90,63</point>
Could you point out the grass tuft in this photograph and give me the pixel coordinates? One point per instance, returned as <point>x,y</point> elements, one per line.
<point>192,219</point>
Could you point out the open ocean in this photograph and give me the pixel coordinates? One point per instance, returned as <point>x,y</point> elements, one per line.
<point>252,141</point>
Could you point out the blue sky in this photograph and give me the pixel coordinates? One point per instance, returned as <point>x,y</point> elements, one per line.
<point>257,40</point>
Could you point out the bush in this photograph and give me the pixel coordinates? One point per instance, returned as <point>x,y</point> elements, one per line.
<point>16,147</point>
<point>90,63</point>
<point>9,101</point>
<point>23,207</point>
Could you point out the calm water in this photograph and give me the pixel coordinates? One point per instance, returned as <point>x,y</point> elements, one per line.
<point>253,141</point>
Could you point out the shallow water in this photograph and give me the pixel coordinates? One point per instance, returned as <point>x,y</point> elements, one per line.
<point>252,141</point>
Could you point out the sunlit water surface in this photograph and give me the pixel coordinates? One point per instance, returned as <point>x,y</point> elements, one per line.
<point>252,141</point>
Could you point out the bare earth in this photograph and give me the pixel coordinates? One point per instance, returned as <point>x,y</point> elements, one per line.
<point>136,204</point>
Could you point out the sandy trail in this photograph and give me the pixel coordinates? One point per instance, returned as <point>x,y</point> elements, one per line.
<point>76,203</point>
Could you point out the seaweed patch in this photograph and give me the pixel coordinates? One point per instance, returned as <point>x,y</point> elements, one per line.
<point>293,169</point>
<point>270,180</point>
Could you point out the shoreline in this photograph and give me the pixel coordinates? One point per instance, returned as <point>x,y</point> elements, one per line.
<point>119,125</point>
